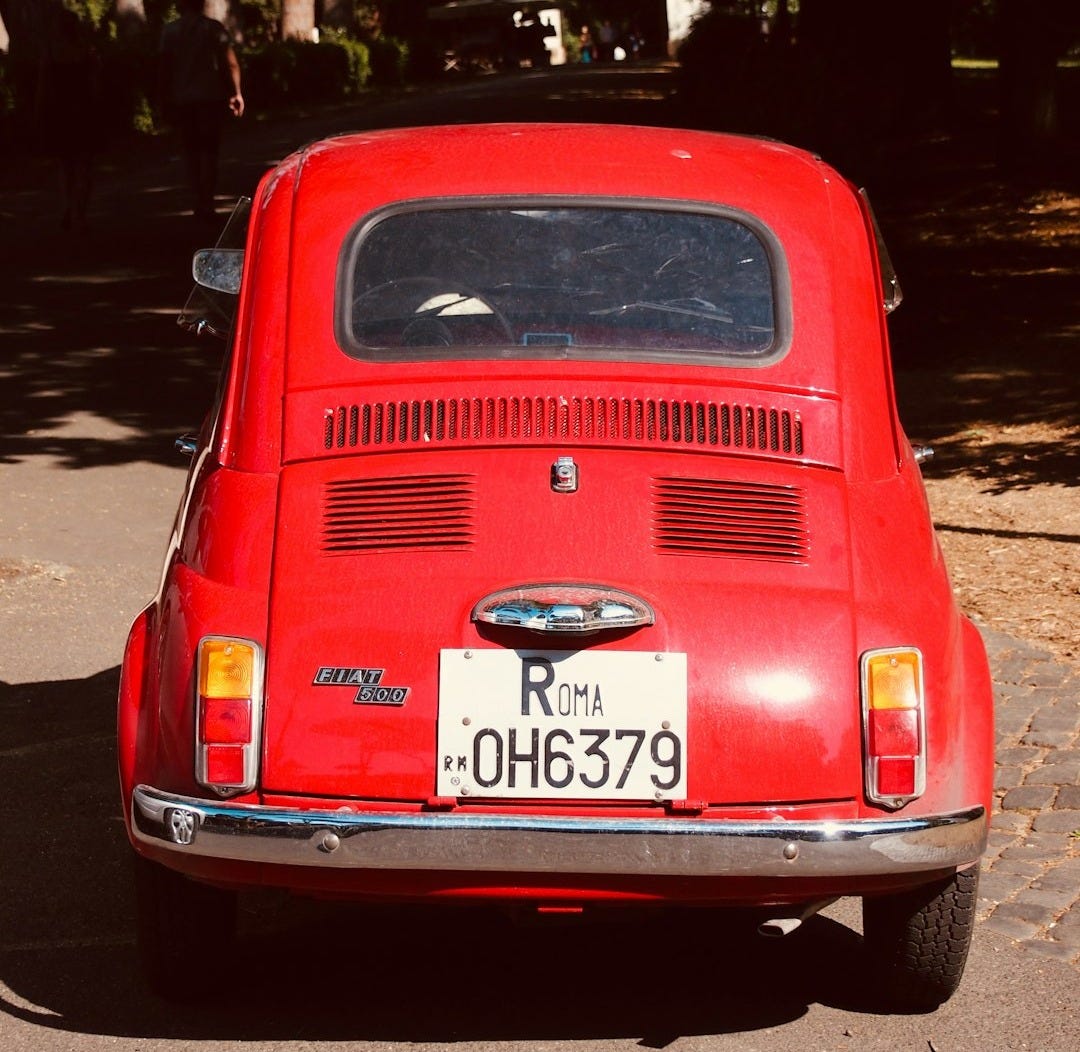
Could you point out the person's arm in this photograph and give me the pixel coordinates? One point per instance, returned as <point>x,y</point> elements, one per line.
<point>236,100</point>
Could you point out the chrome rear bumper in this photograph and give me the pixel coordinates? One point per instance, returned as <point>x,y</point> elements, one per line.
<point>536,844</point>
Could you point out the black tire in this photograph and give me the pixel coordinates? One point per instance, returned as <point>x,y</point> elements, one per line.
<point>918,940</point>
<point>185,932</point>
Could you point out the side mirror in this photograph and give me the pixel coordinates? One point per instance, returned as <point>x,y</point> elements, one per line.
<point>892,294</point>
<point>219,269</point>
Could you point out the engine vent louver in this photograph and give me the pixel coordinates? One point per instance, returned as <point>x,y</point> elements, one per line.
<point>648,421</point>
<point>407,513</point>
<point>741,519</point>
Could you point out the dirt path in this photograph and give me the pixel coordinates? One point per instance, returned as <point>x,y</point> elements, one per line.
<point>986,374</point>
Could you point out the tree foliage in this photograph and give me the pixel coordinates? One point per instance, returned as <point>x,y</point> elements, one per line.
<point>853,69</point>
<point>848,76</point>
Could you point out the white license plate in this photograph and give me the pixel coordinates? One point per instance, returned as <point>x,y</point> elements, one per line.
<point>562,724</point>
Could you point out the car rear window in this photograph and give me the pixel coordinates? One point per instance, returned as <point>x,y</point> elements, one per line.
<point>536,280</point>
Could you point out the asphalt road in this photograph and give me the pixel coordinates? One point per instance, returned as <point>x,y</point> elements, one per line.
<point>97,380</point>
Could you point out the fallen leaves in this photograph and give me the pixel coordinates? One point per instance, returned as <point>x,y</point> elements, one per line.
<point>1029,584</point>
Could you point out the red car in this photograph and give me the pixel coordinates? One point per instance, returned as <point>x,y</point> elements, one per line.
<point>553,541</point>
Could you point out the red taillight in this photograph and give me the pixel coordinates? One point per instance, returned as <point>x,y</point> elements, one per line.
<point>894,724</point>
<point>225,720</point>
<point>896,776</point>
<point>229,679</point>
<point>894,732</point>
<point>225,765</point>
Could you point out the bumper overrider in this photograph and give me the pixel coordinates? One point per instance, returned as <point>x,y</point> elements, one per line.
<point>544,844</point>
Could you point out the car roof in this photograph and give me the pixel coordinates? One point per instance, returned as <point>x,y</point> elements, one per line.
<point>367,169</point>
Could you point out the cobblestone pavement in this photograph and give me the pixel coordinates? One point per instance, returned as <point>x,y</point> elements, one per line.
<point>1030,884</point>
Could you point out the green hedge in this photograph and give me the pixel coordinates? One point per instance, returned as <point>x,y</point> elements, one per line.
<point>389,61</point>
<point>300,72</point>
<point>274,74</point>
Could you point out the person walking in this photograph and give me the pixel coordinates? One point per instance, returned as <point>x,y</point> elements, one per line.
<point>200,85</point>
<point>605,48</point>
<point>67,109</point>
<point>587,50</point>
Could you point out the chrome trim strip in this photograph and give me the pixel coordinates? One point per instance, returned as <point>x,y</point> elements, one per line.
<point>544,844</point>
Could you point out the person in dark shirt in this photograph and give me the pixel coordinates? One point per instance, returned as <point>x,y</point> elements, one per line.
<point>200,85</point>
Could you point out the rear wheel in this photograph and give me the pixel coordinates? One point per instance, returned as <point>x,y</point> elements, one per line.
<point>918,940</point>
<point>185,931</point>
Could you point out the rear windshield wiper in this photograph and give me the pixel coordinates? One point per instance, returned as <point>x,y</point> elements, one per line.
<point>691,308</point>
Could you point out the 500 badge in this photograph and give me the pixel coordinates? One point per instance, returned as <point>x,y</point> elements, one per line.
<point>370,689</point>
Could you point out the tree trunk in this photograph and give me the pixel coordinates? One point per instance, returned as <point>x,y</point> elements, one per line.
<point>873,77</point>
<point>339,14</point>
<point>297,19</point>
<point>130,19</point>
<point>26,22</point>
<point>1028,79</point>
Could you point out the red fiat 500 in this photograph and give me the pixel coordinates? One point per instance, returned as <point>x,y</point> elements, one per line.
<point>553,540</point>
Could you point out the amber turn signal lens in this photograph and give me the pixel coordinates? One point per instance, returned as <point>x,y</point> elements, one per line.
<point>893,680</point>
<point>226,669</point>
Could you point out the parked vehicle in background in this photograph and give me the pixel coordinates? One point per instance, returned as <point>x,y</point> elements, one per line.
<point>483,36</point>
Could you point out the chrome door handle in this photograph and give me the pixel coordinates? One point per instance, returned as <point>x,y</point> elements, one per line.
<point>564,607</point>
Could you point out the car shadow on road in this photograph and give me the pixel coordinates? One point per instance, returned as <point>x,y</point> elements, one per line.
<point>334,971</point>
